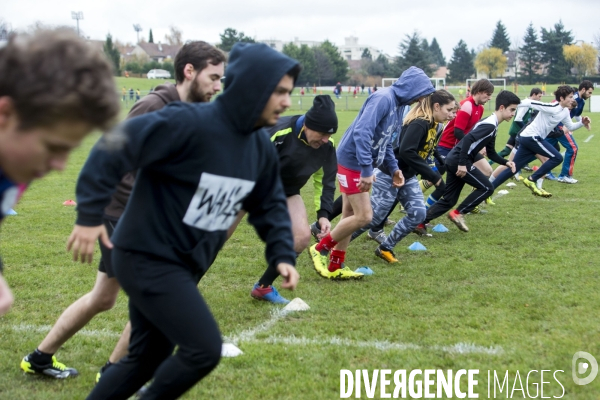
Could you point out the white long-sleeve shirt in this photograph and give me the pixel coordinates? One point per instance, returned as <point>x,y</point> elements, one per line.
<point>550,115</point>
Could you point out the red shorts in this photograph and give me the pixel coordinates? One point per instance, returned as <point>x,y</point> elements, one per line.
<point>348,180</point>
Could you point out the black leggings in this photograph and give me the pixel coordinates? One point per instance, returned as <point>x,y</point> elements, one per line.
<point>166,310</point>
<point>454,185</point>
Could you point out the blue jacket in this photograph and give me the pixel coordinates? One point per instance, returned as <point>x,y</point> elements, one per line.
<point>367,142</point>
<point>577,111</point>
<point>198,165</point>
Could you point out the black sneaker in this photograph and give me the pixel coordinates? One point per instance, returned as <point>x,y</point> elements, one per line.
<point>54,369</point>
<point>314,231</point>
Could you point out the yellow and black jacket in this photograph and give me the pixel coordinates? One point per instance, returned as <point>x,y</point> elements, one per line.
<point>298,162</point>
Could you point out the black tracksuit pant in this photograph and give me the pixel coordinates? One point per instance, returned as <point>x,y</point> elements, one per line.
<point>454,185</point>
<point>166,310</point>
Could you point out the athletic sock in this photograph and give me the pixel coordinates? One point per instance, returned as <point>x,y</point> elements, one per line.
<point>336,259</point>
<point>268,277</point>
<point>504,152</point>
<point>430,201</point>
<point>41,358</point>
<point>425,185</point>
<point>454,212</point>
<point>492,178</point>
<point>539,183</point>
<point>326,244</point>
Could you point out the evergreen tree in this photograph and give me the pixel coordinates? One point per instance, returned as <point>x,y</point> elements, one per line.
<point>530,54</point>
<point>436,53</point>
<point>150,37</point>
<point>461,65</point>
<point>113,54</point>
<point>339,66</point>
<point>230,36</point>
<point>366,54</point>
<point>551,48</point>
<point>500,38</point>
<point>413,54</point>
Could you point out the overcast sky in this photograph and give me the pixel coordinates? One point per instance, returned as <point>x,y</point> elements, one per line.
<point>381,23</point>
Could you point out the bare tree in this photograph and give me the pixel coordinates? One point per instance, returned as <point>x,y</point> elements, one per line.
<point>596,38</point>
<point>175,36</point>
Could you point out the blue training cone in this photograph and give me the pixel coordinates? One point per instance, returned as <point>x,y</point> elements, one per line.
<point>11,212</point>
<point>416,246</point>
<point>364,270</point>
<point>440,228</point>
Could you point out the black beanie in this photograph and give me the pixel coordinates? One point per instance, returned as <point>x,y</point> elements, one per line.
<point>322,117</point>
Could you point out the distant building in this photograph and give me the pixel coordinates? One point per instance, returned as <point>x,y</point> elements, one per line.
<point>350,51</point>
<point>278,44</point>
<point>156,51</point>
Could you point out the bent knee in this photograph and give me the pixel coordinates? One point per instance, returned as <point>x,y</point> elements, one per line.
<point>301,240</point>
<point>365,219</point>
<point>204,357</point>
<point>419,214</point>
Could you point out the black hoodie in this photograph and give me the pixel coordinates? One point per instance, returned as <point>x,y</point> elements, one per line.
<point>198,165</point>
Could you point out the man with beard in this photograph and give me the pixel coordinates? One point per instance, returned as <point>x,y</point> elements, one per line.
<point>199,68</point>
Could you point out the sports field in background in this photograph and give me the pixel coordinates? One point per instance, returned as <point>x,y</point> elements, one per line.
<point>346,102</point>
<point>519,292</point>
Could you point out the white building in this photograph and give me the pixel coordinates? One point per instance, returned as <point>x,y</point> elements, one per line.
<point>351,50</point>
<point>278,44</point>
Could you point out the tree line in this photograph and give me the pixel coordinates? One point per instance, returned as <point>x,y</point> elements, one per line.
<point>549,54</point>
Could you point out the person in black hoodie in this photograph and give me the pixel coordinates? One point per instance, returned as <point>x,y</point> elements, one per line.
<point>305,149</point>
<point>199,68</point>
<point>198,166</point>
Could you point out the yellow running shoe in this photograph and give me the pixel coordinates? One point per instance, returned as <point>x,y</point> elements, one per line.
<point>320,261</point>
<point>533,187</point>
<point>489,201</point>
<point>545,194</point>
<point>344,274</point>
<point>386,255</point>
<point>54,369</point>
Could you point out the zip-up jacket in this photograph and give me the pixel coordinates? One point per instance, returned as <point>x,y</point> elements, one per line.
<point>482,135</point>
<point>154,101</point>
<point>549,116</point>
<point>467,116</point>
<point>298,162</point>
<point>367,142</point>
<point>198,166</point>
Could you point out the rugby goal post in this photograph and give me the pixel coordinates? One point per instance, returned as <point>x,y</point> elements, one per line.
<point>496,82</point>
<point>438,83</point>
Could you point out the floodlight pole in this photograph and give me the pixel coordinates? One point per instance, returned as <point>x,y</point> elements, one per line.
<point>137,28</point>
<point>77,15</point>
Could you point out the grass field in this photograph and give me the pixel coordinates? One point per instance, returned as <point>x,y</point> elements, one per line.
<point>301,103</point>
<point>519,292</point>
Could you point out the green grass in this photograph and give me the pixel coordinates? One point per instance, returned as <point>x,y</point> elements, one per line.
<point>525,279</point>
<point>301,103</point>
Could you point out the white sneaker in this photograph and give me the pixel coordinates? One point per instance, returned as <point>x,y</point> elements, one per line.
<point>567,179</point>
<point>378,236</point>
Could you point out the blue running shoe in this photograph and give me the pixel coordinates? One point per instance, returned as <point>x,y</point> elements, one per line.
<point>551,176</point>
<point>268,293</point>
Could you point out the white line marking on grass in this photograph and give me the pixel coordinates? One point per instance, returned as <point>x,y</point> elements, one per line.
<point>588,139</point>
<point>459,348</point>
<point>46,328</point>
<point>249,334</point>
